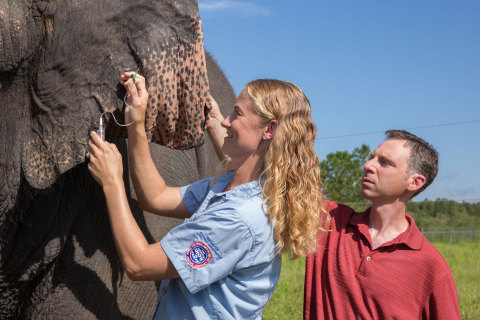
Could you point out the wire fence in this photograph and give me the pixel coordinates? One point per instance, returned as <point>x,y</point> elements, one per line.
<point>452,236</point>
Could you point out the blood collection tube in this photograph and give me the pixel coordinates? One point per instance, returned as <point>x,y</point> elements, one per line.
<point>101,131</point>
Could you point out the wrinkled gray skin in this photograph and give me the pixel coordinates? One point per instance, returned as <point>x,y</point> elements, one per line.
<point>57,256</point>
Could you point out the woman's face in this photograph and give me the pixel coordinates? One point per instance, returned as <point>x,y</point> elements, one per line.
<point>244,129</point>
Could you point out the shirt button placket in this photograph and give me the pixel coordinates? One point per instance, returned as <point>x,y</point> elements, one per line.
<point>363,268</point>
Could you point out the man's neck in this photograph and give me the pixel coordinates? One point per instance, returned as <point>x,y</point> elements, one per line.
<point>386,222</point>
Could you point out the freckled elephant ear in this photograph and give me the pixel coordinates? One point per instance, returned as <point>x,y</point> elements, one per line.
<point>177,83</point>
<point>75,77</point>
<point>178,93</point>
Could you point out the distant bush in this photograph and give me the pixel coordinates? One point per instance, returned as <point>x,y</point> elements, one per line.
<point>442,215</point>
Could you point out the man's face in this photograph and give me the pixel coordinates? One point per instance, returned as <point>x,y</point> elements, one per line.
<point>386,173</point>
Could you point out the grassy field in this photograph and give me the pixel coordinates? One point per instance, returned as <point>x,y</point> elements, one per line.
<point>462,257</point>
<point>464,260</point>
<point>287,300</point>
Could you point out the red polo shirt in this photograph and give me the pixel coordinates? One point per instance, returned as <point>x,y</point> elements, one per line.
<point>406,278</point>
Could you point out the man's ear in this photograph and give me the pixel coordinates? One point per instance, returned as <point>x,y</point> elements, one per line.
<point>416,181</point>
<point>270,131</point>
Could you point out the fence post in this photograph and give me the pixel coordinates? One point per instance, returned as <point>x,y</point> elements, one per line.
<point>451,235</point>
<point>473,235</point>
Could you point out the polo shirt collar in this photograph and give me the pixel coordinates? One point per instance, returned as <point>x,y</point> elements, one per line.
<point>412,237</point>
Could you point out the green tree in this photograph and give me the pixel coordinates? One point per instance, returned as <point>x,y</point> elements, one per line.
<point>444,214</point>
<point>342,176</point>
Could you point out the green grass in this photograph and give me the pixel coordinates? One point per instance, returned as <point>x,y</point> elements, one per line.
<point>464,261</point>
<point>287,300</point>
<point>462,257</point>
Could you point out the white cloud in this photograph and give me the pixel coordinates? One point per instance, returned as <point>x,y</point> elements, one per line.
<point>241,8</point>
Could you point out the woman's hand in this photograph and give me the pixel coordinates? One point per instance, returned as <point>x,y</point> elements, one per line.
<point>214,117</point>
<point>137,97</point>
<point>214,128</point>
<point>105,161</point>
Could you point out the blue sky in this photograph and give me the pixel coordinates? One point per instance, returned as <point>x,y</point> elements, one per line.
<point>367,66</point>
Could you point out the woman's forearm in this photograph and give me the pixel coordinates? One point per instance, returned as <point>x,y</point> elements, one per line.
<point>140,260</point>
<point>145,177</point>
<point>153,194</point>
<point>128,237</point>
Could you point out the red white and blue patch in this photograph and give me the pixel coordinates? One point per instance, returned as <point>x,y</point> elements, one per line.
<point>199,255</point>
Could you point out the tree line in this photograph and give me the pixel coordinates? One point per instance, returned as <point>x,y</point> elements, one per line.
<point>342,178</point>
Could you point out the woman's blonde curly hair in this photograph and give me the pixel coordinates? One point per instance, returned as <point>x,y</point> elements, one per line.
<point>292,189</point>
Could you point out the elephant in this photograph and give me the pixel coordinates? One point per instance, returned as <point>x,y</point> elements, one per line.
<point>60,62</point>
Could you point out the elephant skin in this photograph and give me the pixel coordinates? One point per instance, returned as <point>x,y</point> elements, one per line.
<point>59,67</point>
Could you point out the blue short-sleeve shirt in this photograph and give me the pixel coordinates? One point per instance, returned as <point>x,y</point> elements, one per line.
<point>224,253</point>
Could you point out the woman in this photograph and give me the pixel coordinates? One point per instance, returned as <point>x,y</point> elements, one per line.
<point>224,260</point>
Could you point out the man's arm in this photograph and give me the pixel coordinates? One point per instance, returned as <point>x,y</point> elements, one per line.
<point>443,302</point>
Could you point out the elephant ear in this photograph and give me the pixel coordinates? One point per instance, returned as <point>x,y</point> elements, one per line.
<point>173,62</point>
<point>77,74</point>
<point>179,92</point>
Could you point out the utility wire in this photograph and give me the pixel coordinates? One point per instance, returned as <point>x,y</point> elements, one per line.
<point>418,201</point>
<point>422,127</point>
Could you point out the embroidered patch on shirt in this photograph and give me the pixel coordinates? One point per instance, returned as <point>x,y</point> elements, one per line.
<point>198,255</point>
<point>211,245</point>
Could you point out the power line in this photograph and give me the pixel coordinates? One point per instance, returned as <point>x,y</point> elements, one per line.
<point>421,127</point>
<point>417,201</point>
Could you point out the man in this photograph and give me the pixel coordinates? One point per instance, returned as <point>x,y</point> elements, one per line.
<point>376,264</point>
